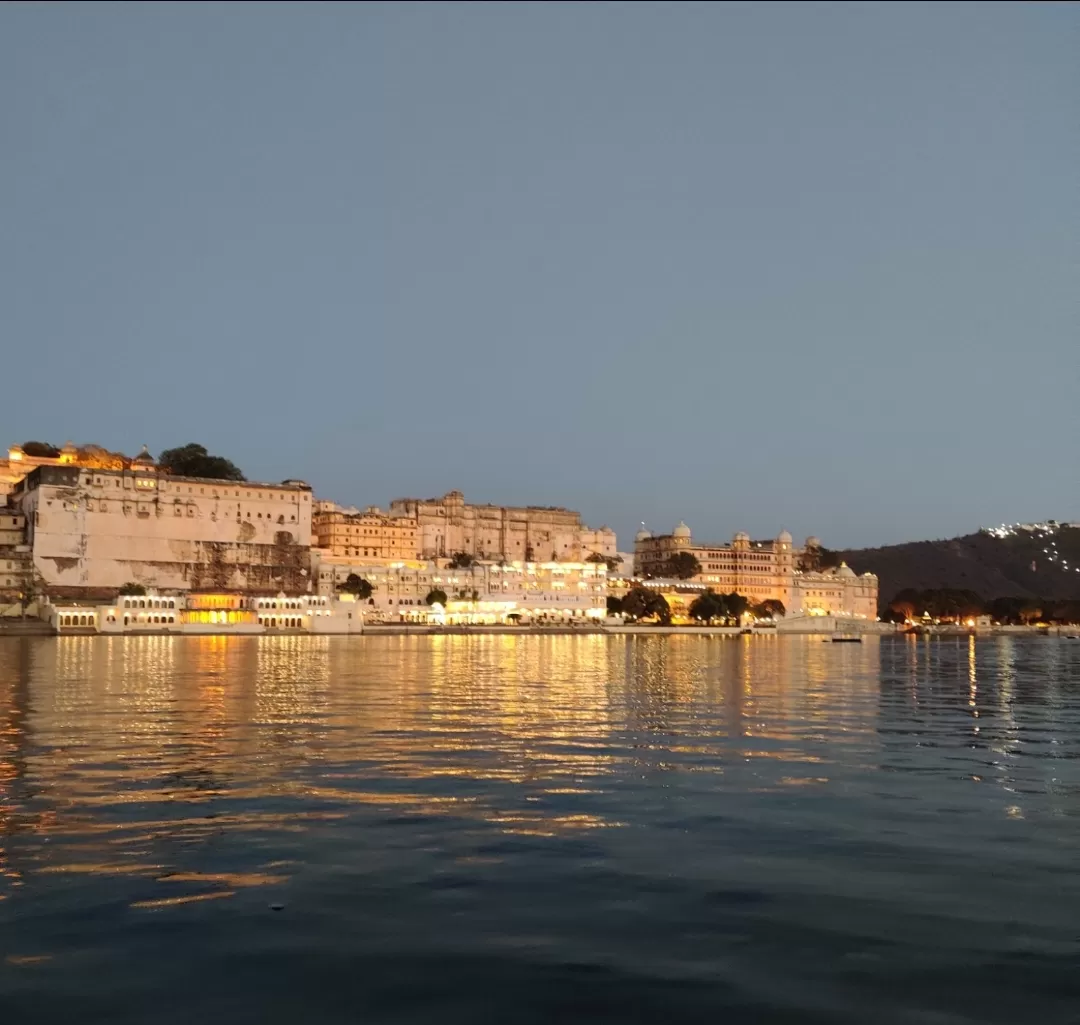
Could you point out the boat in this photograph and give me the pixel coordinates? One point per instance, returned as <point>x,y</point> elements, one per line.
<point>846,638</point>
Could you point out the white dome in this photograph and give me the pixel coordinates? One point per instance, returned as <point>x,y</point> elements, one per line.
<point>784,537</point>
<point>642,535</point>
<point>682,530</point>
<point>742,535</point>
<point>845,570</point>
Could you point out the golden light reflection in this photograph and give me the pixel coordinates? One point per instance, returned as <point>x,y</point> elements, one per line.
<point>193,898</point>
<point>235,879</point>
<point>134,756</point>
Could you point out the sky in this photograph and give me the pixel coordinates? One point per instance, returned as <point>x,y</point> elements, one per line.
<point>751,266</point>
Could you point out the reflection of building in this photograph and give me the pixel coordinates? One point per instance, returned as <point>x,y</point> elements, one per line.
<point>97,529</point>
<point>522,533</point>
<point>370,534</point>
<point>761,570</point>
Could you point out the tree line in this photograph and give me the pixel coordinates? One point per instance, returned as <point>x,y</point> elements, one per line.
<point>954,605</point>
<point>708,607</point>
<point>191,460</point>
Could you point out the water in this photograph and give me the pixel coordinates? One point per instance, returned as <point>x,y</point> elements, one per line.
<point>539,829</point>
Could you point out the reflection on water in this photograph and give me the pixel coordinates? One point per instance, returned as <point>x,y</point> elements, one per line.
<point>519,828</point>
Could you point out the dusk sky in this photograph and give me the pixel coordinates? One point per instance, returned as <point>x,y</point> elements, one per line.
<point>750,266</point>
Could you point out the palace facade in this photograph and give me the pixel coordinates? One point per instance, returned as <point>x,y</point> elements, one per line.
<point>370,534</point>
<point>97,529</point>
<point>449,525</point>
<point>761,570</point>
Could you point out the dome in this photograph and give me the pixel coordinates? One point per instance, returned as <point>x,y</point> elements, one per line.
<point>742,535</point>
<point>144,457</point>
<point>845,570</point>
<point>682,530</point>
<point>784,537</point>
<point>642,535</point>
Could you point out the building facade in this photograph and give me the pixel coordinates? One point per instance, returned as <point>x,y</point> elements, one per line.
<point>835,592</point>
<point>16,566</point>
<point>449,525</point>
<point>400,590</point>
<point>209,613</point>
<point>97,529</point>
<point>370,534</point>
<point>761,570</point>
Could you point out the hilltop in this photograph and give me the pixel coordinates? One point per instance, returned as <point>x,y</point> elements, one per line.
<point>1031,560</point>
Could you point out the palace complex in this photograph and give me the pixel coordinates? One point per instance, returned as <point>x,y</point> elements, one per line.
<point>760,570</point>
<point>84,523</point>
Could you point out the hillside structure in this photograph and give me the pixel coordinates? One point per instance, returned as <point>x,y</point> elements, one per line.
<point>448,525</point>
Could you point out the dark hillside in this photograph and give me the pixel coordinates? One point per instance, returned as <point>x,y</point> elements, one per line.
<point>1040,563</point>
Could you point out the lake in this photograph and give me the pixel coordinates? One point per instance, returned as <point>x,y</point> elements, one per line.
<point>519,829</point>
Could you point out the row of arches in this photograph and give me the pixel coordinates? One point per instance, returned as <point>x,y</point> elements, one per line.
<point>282,622</point>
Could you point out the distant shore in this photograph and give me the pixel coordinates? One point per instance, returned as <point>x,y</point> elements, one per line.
<point>37,628</point>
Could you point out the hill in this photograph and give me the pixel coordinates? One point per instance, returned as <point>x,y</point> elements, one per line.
<point>1020,560</point>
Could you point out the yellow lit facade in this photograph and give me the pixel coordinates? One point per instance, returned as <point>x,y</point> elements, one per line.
<point>519,533</point>
<point>761,570</point>
<point>363,535</point>
<point>400,590</point>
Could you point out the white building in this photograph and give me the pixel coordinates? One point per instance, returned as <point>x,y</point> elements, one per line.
<point>568,590</point>
<point>95,530</point>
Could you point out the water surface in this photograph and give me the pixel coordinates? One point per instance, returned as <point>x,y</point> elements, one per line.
<point>517,829</point>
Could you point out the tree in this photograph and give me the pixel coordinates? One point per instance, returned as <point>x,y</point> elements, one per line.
<point>614,605</point>
<point>736,605</point>
<point>133,588</point>
<point>611,561</point>
<point>40,449</point>
<point>770,608</point>
<point>193,460</point>
<point>95,457</point>
<point>942,603</point>
<point>708,606</point>
<point>644,603</point>
<point>683,565</point>
<point>357,586</point>
<point>907,603</point>
<point>461,560</point>
<point>815,559</point>
<point>436,596</point>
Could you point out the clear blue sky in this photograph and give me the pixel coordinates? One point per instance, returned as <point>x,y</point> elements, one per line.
<point>751,266</point>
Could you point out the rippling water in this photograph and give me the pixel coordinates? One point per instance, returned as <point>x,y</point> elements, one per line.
<point>539,829</point>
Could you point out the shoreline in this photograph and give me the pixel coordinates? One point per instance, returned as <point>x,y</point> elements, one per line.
<point>37,628</point>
